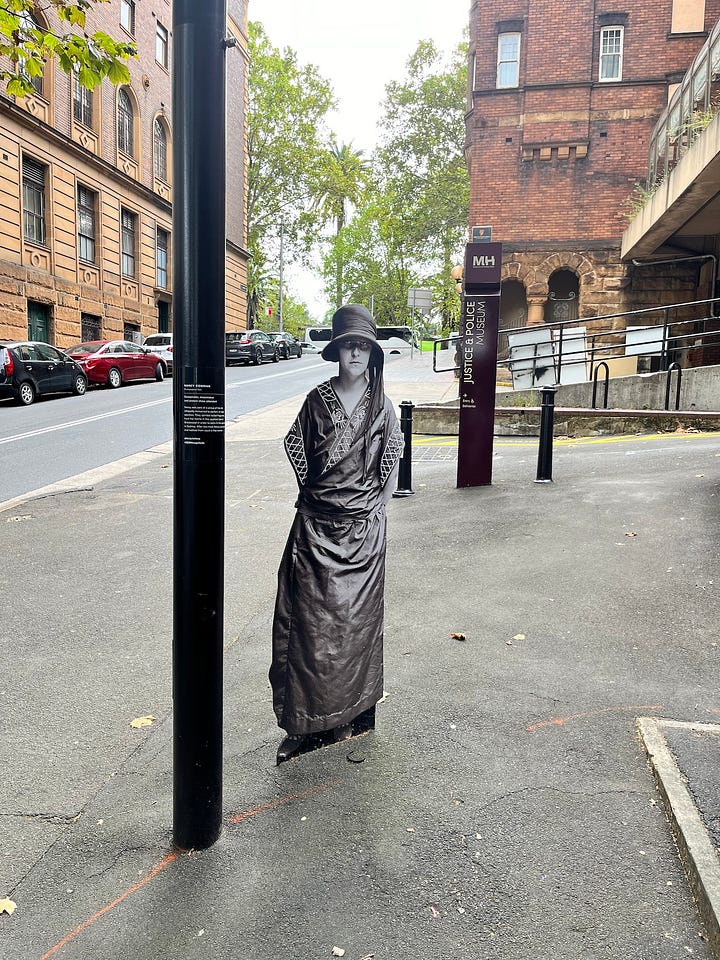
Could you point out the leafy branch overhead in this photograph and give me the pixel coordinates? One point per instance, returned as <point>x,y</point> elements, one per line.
<point>29,43</point>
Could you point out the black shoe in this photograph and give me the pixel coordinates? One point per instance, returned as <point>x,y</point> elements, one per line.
<point>289,747</point>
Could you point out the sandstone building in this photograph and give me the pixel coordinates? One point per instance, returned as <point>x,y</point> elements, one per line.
<point>86,190</point>
<point>562,104</point>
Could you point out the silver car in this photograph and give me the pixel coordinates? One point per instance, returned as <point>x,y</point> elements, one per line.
<point>161,345</point>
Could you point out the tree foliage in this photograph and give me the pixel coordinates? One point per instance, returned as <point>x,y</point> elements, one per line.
<point>286,139</point>
<point>93,57</point>
<point>413,224</point>
<point>343,180</point>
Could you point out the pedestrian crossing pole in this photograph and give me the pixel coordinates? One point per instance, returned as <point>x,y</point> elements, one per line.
<point>198,84</point>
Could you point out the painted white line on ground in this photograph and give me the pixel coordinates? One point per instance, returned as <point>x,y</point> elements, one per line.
<point>140,406</point>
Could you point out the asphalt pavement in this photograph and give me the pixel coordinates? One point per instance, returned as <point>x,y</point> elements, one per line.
<point>511,802</point>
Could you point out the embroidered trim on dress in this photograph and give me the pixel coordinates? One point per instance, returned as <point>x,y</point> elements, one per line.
<point>391,454</point>
<point>346,427</point>
<point>295,449</point>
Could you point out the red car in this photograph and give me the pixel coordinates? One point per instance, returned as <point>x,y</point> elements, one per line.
<point>115,362</point>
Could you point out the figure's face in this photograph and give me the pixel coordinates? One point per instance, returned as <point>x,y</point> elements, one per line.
<point>354,357</point>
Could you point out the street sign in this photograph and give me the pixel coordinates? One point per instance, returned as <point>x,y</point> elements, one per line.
<point>420,299</point>
<point>479,324</point>
<point>483,266</point>
<point>481,234</point>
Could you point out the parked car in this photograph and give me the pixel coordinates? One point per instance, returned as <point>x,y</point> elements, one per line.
<point>289,346</point>
<point>114,362</point>
<point>249,346</point>
<point>30,369</point>
<point>162,345</point>
<point>308,347</point>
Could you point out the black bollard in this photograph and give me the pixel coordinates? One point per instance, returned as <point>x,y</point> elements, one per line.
<point>545,447</point>
<point>404,487</point>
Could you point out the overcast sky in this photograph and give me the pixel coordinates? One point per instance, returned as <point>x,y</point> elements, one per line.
<point>359,48</point>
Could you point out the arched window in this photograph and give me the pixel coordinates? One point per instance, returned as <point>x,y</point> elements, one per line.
<point>563,296</point>
<point>28,23</point>
<point>125,124</point>
<point>160,150</point>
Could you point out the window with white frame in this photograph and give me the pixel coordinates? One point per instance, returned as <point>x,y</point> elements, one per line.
<point>611,53</point>
<point>127,15</point>
<point>128,230</point>
<point>161,45</point>
<point>86,224</point>
<point>508,60</point>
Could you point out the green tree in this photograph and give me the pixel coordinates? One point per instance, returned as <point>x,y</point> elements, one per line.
<point>93,57</point>
<point>286,137</point>
<point>421,164</point>
<point>343,180</point>
<point>377,269</point>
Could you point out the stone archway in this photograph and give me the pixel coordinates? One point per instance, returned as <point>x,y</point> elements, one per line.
<point>563,296</point>
<point>513,311</point>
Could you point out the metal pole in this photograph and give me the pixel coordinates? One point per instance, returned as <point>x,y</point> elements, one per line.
<point>404,487</point>
<point>198,78</point>
<point>280,298</point>
<point>545,446</point>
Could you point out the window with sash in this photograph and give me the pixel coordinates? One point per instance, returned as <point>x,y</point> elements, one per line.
<point>160,150</point>
<point>86,207</point>
<point>161,45</point>
<point>33,179</point>
<point>128,230</point>
<point>163,244</point>
<point>508,60</point>
<point>611,53</point>
<point>82,103</point>
<point>127,15</point>
<point>125,124</point>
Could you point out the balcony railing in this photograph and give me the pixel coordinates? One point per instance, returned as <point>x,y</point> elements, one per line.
<point>691,108</point>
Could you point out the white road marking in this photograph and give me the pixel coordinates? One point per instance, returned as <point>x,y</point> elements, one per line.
<point>140,406</point>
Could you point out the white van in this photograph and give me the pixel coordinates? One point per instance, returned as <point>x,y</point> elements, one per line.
<point>391,339</point>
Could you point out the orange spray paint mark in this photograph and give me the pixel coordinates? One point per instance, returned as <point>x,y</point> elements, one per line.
<point>278,803</point>
<point>170,858</point>
<point>559,721</point>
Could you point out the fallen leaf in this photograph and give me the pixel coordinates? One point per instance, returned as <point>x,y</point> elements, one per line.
<point>142,722</point>
<point>519,636</point>
<point>458,636</point>
<point>7,906</point>
<point>338,952</point>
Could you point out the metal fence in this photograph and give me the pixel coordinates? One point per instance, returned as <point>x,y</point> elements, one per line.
<point>690,109</point>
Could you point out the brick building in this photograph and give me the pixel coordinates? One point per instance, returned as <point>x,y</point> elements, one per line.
<point>560,116</point>
<point>86,190</point>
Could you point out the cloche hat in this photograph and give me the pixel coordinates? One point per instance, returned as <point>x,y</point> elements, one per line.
<point>348,323</point>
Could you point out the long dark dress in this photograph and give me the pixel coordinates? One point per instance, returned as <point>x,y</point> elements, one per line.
<point>327,664</point>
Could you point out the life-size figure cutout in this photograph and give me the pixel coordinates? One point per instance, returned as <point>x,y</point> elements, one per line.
<point>344,446</point>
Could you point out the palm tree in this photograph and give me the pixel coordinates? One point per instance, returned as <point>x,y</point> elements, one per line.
<point>343,179</point>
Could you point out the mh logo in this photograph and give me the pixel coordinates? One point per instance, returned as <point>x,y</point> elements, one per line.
<point>483,261</point>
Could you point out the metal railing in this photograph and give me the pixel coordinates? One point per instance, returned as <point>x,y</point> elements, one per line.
<point>663,334</point>
<point>688,112</point>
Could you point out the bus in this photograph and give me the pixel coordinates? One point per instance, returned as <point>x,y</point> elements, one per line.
<point>392,339</point>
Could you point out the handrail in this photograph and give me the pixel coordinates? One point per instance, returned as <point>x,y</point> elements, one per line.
<point>673,366</point>
<point>607,385</point>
